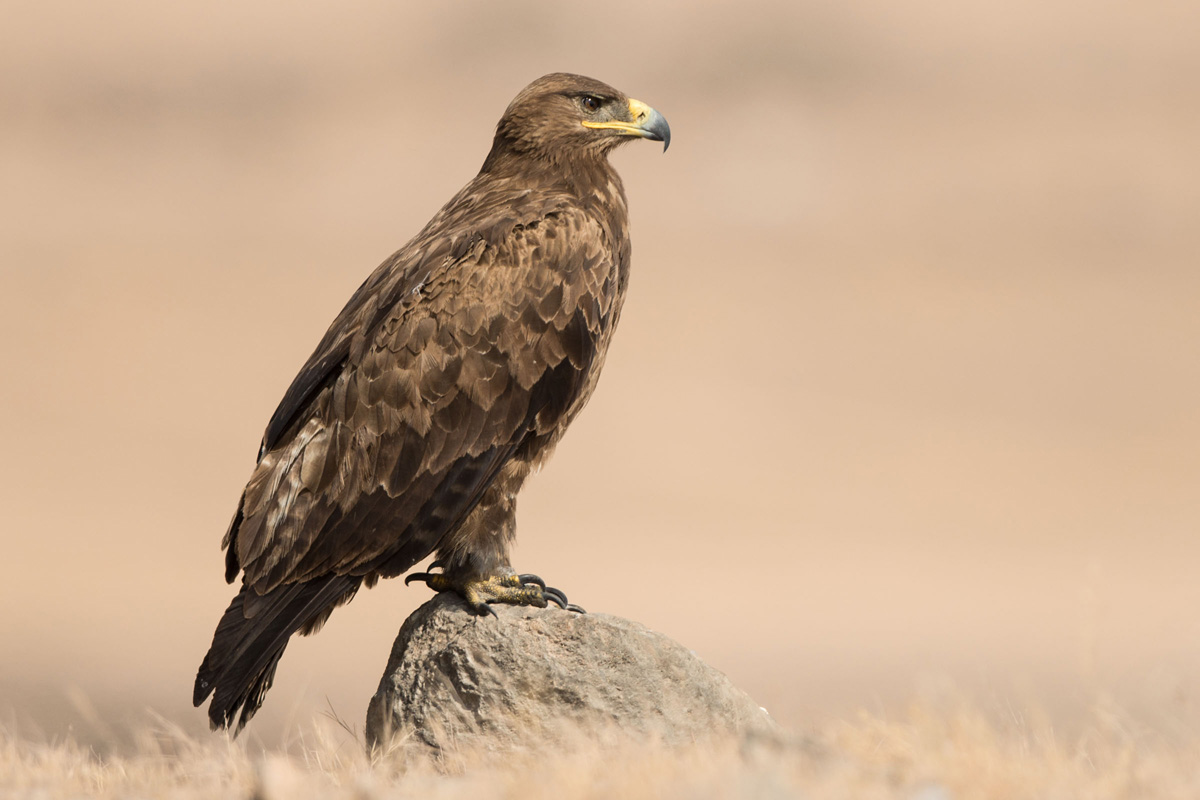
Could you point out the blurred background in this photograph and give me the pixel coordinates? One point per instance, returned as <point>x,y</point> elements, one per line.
<point>906,394</point>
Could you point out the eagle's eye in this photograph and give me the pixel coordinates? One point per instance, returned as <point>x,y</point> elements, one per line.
<point>590,103</point>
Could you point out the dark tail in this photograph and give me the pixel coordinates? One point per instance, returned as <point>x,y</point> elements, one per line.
<point>240,665</point>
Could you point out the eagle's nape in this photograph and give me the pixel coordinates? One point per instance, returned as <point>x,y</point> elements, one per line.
<point>480,591</point>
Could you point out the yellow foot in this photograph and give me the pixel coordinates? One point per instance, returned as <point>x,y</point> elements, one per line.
<point>517,590</point>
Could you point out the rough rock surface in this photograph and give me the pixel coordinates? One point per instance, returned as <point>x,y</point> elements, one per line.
<point>530,676</point>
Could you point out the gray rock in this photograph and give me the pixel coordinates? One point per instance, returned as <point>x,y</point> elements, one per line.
<point>530,676</point>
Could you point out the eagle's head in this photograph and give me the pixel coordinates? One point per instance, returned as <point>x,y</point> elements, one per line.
<point>563,117</point>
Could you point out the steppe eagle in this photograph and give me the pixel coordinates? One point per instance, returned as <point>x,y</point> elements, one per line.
<point>450,374</point>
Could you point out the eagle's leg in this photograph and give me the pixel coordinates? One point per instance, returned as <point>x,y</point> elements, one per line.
<point>474,559</point>
<point>480,591</point>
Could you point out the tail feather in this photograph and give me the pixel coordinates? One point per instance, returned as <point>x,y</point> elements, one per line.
<point>240,665</point>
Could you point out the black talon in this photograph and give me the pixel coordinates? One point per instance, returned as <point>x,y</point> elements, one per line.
<point>556,596</point>
<point>483,609</point>
<point>417,576</point>
<point>534,579</point>
<point>560,599</point>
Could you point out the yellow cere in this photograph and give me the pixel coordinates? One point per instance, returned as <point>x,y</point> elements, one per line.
<point>638,111</point>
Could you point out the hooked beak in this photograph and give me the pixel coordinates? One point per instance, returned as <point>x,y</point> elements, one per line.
<point>644,122</point>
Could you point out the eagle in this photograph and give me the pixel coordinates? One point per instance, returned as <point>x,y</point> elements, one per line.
<point>448,378</point>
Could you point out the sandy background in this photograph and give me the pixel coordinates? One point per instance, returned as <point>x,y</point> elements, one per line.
<point>906,394</point>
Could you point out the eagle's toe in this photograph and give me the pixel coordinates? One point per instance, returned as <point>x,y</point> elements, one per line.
<point>481,592</point>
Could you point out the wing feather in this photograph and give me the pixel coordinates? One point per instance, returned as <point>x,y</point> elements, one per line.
<point>399,422</point>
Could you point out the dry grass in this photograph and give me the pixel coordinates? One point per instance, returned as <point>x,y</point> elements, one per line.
<point>932,753</point>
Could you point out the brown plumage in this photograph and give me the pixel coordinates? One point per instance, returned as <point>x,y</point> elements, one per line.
<point>449,375</point>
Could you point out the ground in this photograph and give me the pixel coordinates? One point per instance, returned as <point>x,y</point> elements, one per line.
<point>933,752</point>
